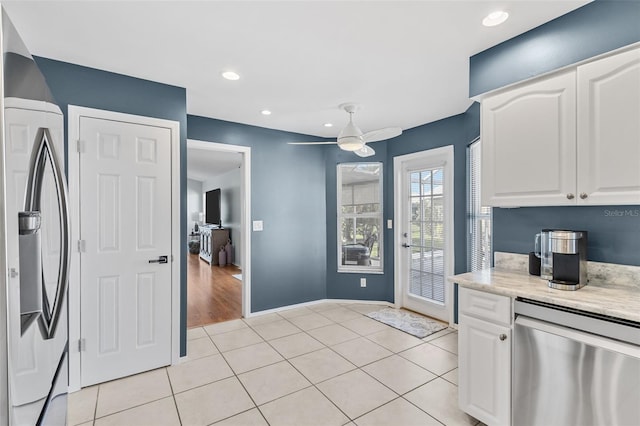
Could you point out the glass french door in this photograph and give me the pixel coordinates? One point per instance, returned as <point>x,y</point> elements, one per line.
<point>425,207</point>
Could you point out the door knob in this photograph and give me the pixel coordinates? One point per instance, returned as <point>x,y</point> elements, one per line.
<point>160,259</point>
<point>405,245</point>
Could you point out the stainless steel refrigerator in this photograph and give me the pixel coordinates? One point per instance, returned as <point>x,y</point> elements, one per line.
<point>34,243</point>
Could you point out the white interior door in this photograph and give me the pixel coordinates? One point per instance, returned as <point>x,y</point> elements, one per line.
<point>424,238</point>
<point>125,224</point>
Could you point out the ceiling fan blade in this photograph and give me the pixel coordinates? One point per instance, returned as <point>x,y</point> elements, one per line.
<point>365,151</point>
<point>382,134</point>
<point>313,143</point>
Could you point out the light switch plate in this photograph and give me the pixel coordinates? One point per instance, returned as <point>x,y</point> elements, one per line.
<point>257,225</point>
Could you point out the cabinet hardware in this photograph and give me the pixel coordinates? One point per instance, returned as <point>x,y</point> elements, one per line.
<point>503,337</point>
<point>570,196</point>
<point>583,195</point>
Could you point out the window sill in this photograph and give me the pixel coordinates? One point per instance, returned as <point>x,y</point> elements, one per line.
<point>361,271</point>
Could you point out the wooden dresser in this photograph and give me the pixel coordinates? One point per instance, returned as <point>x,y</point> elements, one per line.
<point>211,239</point>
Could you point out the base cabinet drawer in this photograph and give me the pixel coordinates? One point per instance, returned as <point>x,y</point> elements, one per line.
<point>487,306</point>
<point>484,370</point>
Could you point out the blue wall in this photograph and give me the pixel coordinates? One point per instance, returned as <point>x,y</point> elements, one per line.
<point>596,28</point>
<point>92,88</point>
<point>614,231</point>
<point>459,131</point>
<point>288,262</point>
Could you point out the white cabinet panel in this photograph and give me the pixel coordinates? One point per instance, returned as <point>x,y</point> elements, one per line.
<point>529,144</point>
<point>484,370</point>
<point>609,130</point>
<point>569,139</point>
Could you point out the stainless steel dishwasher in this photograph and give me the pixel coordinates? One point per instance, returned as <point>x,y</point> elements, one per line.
<point>573,367</point>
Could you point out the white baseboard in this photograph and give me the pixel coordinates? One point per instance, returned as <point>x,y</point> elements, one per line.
<point>317,302</point>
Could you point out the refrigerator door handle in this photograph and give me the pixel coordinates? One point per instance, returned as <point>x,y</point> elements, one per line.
<point>44,150</point>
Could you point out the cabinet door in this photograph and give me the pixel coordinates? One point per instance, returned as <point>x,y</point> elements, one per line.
<point>529,144</point>
<point>609,130</point>
<point>484,370</point>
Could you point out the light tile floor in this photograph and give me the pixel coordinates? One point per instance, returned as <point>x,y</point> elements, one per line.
<point>325,364</point>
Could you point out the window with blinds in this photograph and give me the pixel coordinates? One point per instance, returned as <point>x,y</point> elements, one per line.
<point>479,217</point>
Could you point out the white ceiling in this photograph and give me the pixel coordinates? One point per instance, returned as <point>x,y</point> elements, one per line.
<point>204,164</point>
<point>405,62</point>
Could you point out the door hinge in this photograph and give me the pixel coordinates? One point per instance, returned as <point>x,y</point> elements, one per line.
<point>13,273</point>
<point>82,246</point>
<point>80,146</point>
<point>82,345</point>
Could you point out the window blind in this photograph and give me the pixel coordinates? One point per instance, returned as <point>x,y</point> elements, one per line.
<point>479,217</point>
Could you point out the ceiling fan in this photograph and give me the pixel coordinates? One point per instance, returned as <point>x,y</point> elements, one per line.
<point>351,137</point>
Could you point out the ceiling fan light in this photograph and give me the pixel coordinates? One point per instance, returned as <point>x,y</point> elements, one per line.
<point>351,143</point>
<point>350,138</point>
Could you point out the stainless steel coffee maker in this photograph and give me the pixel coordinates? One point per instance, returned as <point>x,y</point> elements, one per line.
<point>563,258</point>
<point>569,259</point>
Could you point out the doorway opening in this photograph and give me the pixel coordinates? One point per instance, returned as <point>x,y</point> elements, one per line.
<point>218,217</point>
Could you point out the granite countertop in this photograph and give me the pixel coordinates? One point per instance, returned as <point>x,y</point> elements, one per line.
<point>621,300</point>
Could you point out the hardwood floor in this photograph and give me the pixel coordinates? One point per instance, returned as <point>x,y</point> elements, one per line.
<point>213,294</point>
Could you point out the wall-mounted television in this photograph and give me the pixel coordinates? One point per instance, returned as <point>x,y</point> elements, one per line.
<point>212,207</point>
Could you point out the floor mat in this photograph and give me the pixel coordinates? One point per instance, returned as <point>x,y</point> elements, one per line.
<point>413,324</point>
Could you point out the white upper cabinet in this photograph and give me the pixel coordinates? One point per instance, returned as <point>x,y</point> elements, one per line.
<point>567,139</point>
<point>609,130</point>
<point>529,144</point>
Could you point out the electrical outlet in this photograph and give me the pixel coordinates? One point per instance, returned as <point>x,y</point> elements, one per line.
<point>258,225</point>
<point>363,282</point>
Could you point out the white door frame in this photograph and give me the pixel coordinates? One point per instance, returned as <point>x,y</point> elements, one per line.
<point>74,115</point>
<point>445,155</point>
<point>245,212</point>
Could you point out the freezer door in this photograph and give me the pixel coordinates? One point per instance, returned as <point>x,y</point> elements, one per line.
<point>566,377</point>
<point>35,347</point>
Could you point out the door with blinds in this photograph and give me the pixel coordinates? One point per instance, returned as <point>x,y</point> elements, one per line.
<point>424,206</point>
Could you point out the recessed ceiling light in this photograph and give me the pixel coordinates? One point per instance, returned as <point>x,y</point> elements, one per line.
<point>495,18</point>
<point>230,75</point>
<point>328,125</point>
<point>265,112</point>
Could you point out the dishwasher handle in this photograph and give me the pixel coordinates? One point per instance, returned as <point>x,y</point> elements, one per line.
<point>580,336</point>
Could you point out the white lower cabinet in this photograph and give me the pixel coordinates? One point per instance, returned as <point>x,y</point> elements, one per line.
<point>484,358</point>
